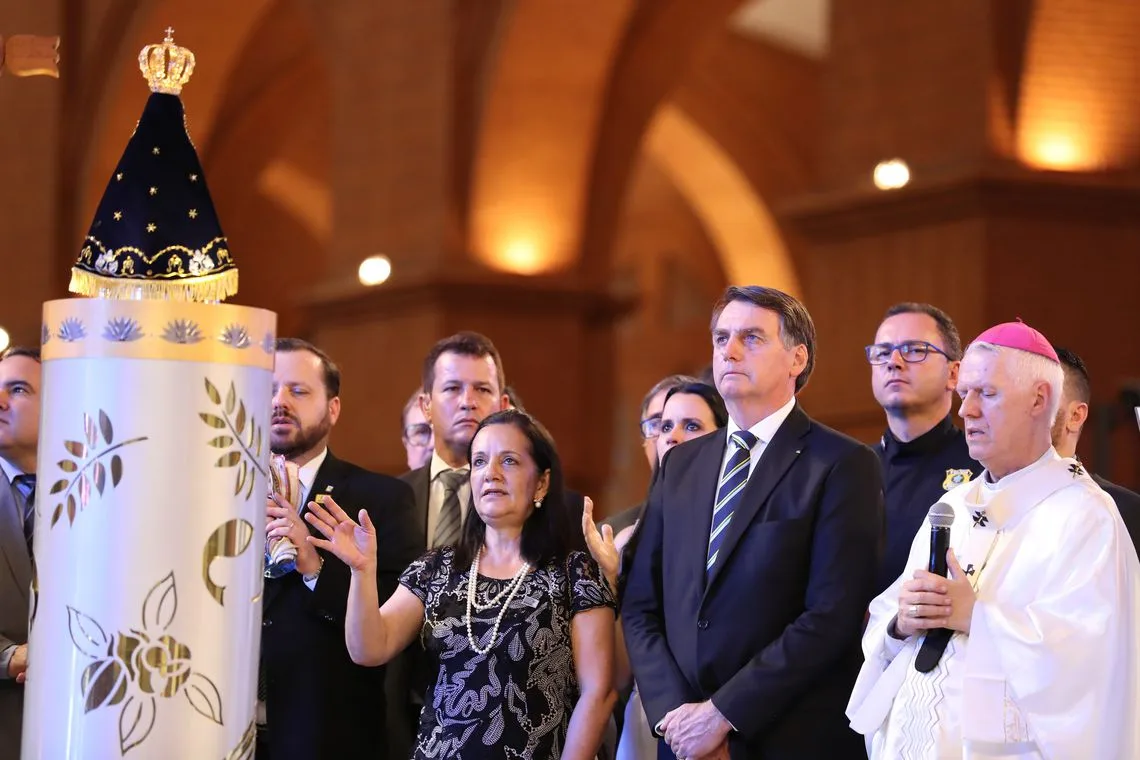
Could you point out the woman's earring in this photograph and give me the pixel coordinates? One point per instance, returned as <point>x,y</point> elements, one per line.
<point>538,503</point>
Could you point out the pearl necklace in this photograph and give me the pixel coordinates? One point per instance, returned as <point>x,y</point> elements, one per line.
<point>513,587</point>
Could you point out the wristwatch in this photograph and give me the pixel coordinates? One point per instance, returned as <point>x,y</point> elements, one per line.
<point>310,577</point>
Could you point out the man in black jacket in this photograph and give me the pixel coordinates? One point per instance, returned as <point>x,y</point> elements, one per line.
<point>317,703</point>
<point>914,370</point>
<point>1071,418</point>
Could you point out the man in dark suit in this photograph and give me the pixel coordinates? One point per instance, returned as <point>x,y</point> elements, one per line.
<point>463,383</point>
<point>1071,418</point>
<point>19,437</point>
<point>757,558</point>
<point>318,703</point>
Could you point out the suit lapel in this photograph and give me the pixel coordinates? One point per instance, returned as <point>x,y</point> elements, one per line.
<point>12,543</point>
<point>420,481</point>
<point>330,475</point>
<point>778,456</point>
<point>696,516</point>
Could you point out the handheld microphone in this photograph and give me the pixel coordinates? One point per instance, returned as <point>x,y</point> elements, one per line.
<point>941,517</point>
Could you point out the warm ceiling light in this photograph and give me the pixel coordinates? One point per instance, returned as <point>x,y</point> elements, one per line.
<point>374,270</point>
<point>522,256</point>
<point>1057,151</point>
<point>5,339</point>
<point>891,175</point>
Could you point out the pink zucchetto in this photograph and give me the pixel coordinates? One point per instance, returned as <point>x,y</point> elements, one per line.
<point>1020,336</point>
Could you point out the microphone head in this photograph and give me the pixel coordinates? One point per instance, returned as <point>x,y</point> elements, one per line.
<point>941,515</point>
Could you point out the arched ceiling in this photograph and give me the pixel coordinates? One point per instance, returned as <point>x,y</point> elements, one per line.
<point>736,217</point>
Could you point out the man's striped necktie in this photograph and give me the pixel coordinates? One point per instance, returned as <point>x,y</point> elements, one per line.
<point>732,484</point>
<point>450,514</point>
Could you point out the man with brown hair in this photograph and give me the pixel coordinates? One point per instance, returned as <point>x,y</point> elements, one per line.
<point>914,369</point>
<point>318,703</point>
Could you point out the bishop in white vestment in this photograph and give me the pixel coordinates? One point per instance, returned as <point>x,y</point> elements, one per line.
<point>1047,662</point>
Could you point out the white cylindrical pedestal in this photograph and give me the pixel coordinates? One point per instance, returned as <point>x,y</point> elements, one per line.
<point>149,535</point>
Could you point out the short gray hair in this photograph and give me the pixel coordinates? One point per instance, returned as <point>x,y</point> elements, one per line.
<point>1028,368</point>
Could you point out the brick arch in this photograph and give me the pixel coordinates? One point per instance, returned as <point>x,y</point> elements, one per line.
<point>660,42</point>
<point>544,95</point>
<point>738,220</point>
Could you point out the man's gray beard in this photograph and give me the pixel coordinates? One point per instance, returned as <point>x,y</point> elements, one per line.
<point>306,439</point>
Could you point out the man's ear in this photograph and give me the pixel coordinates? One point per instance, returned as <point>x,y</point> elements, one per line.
<point>1078,415</point>
<point>952,376</point>
<point>425,406</point>
<point>334,409</point>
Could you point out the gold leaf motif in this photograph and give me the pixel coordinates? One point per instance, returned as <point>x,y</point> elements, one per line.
<point>71,508</point>
<point>58,486</point>
<point>87,635</point>
<point>239,421</point>
<point>258,447</point>
<point>221,442</point>
<point>204,697</point>
<point>84,488</point>
<point>56,514</point>
<point>230,539</point>
<point>245,746</point>
<point>99,475</point>
<point>231,398</point>
<point>68,466</point>
<point>105,427</point>
<point>249,486</point>
<point>116,470</point>
<point>212,392</point>
<point>89,429</point>
<point>135,722</point>
<point>212,420</point>
<point>240,478</point>
<point>75,448</point>
<point>103,684</point>
<point>228,459</point>
<point>161,603</point>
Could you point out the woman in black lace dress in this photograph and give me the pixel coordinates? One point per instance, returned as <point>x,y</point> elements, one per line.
<point>521,628</point>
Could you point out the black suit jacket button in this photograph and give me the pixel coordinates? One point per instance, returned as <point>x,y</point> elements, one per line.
<point>702,624</point>
<point>266,623</point>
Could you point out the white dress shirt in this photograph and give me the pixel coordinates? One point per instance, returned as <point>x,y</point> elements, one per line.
<point>306,474</point>
<point>764,430</point>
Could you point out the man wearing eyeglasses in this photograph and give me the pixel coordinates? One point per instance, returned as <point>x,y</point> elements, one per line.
<point>416,433</point>
<point>650,427</point>
<point>914,370</point>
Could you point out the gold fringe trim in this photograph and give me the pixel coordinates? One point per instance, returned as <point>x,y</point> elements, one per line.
<point>210,288</point>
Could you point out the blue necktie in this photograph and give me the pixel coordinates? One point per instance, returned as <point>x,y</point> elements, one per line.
<point>26,485</point>
<point>732,483</point>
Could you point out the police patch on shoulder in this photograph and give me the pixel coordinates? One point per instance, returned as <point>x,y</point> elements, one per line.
<point>956,478</point>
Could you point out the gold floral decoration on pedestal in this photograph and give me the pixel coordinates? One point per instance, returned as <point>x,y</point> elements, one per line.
<point>88,471</point>
<point>242,432</point>
<point>230,539</point>
<point>136,667</point>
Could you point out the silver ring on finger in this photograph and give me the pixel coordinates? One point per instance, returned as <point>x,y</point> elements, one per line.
<point>914,610</point>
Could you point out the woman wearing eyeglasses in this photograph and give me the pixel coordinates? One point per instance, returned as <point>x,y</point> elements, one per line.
<point>691,410</point>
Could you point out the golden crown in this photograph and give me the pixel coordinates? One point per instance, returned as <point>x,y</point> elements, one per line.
<point>166,67</point>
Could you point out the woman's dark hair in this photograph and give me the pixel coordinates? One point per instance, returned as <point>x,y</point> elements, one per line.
<point>720,417</point>
<point>544,532</point>
<point>710,396</point>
